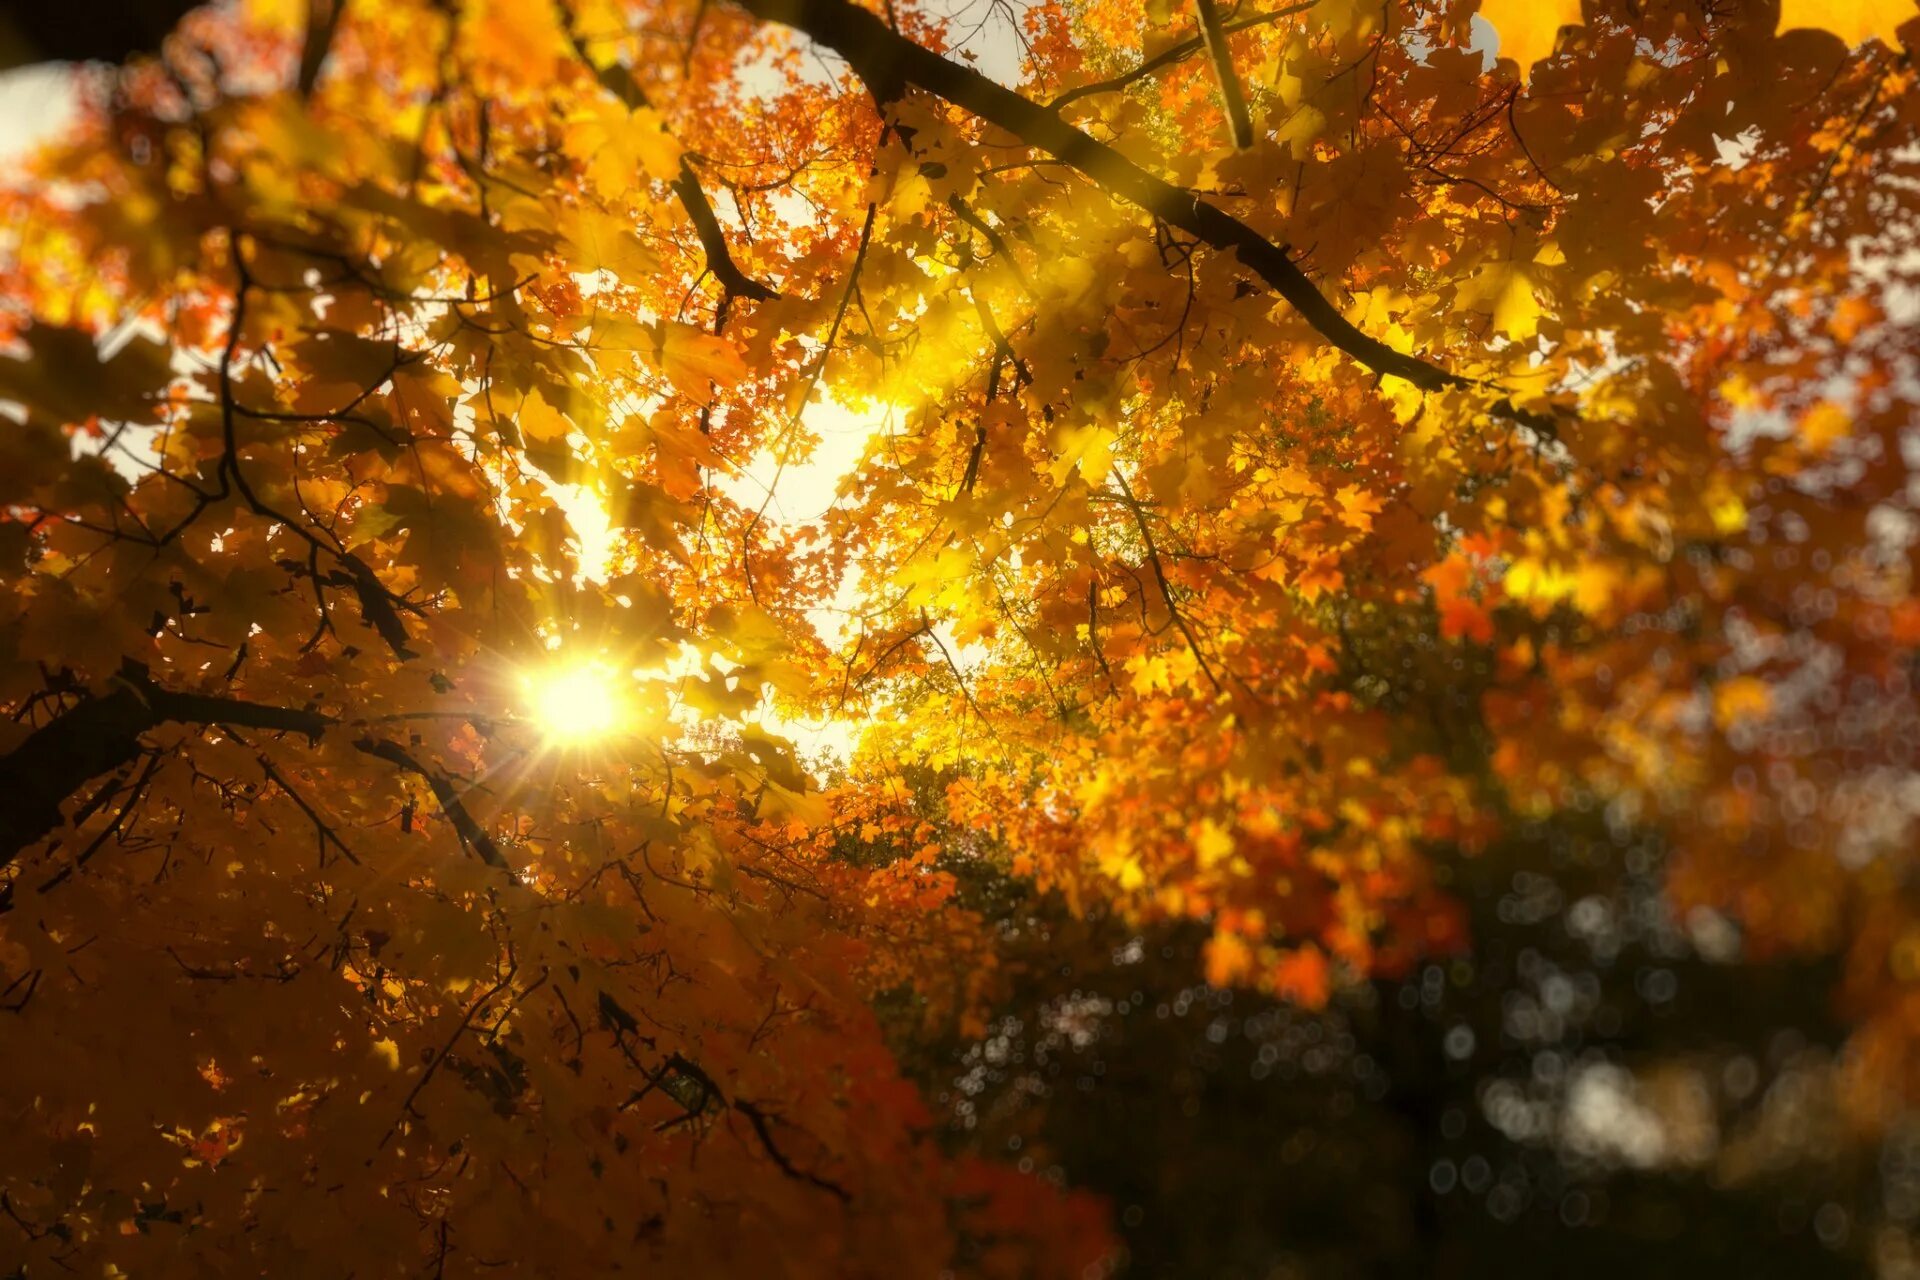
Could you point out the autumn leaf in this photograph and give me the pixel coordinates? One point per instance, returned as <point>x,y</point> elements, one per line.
<point>690,637</point>
<point>1509,291</point>
<point>1740,700</point>
<point>1528,29</point>
<point>1212,843</point>
<point>540,421</point>
<point>511,35</point>
<point>1304,975</point>
<point>64,377</point>
<point>1464,618</point>
<point>1229,959</point>
<point>600,241</point>
<point>698,363</point>
<point>1086,450</point>
<point>1358,507</point>
<point>622,147</point>
<point>388,1053</point>
<point>1854,21</point>
<point>1825,424</point>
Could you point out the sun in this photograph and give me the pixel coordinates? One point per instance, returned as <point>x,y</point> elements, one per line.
<point>577,703</point>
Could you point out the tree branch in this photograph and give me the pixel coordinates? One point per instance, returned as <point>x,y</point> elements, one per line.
<point>103,733</point>
<point>1233,99</point>
<point>889,63</point>
<point>323,19</point>
<point>762,1129</point>
<point>472,834</point>
<point>1173,54</point>
<point>619,82</point>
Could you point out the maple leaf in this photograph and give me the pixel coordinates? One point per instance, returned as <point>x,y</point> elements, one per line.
<point>427,547</point>
<point>1464,618</point>
<point>1509,291</point>
<point>603,242</point>
<point>622,146</point>
<point>1529,29</point>
<point>1358,507</point>
<point>540,421</point>
<point>1229,959</point>
<point>1825,424</point>
<point>512,35</point>
<point>696,362</point>
<point>1212,843</point>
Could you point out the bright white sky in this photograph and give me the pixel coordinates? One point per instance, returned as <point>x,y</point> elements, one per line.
<point>34,103</point>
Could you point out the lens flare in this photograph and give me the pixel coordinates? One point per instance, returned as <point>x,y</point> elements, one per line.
<point>577,703</point>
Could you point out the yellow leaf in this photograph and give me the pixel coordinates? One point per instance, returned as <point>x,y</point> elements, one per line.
<point>1724,507</point>
<point>1150,674</point>
<point>388,1052</point>
<point>621,147</point>
<point>1358,507</point>
<point>1068,279</point>
<point>602,242</point>
<point>541,421</point>
<point>1300,130</point>
<point>1089,450</point>
<point>911,195</point>
<point>1739,700</point>
<point>698,362</point>
<point>1824,424</point>
<point>1538,584</point>
<point>1855,21</point>
<point>510,35</point>
<point>1212,843</point>
<point>1506,289</point>
<point>1529,28</point>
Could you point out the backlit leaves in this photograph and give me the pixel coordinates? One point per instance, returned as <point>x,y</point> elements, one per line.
<point>1853,21</point>
<point>1122,570</point>
<point>1528,28</point>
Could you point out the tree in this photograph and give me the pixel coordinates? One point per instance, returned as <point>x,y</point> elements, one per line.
<point>1334,478</point>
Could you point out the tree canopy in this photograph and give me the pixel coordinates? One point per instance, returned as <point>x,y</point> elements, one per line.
<point>1369,627</point>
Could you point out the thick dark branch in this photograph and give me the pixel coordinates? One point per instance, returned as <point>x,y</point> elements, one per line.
<point>619,82</point>
<point>135,794</point>
<point>323,20</point>
<point>377,604</point>
<point>103,734</point>
<point>713,241</point>
<point>472,834</point>
<point>86,30</point>
<point>762,1129</point>
<point>890,63</point>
